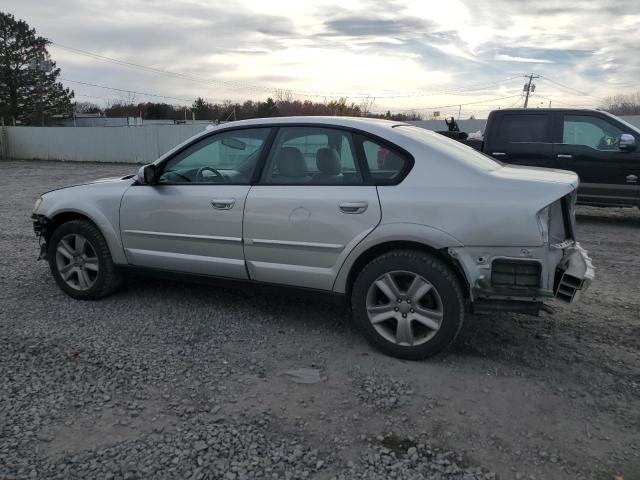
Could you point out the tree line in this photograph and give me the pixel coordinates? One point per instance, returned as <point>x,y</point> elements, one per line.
<point>229,110</point>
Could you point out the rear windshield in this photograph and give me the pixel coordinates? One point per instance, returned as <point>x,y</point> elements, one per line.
<point>462,152</point>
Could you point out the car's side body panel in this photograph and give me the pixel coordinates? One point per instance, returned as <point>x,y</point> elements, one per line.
<point>177,227</point>
<point>99,202</point>
<point>391,233</point>
<point>298,235</point>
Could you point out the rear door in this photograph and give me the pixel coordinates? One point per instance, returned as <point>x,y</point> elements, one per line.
<point>521,139</point>
<point>310,208</point>
<point>589,146</point>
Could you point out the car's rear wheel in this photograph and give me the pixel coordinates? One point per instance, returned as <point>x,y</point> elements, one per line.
<point>80,261</point>
<point>408,304</point>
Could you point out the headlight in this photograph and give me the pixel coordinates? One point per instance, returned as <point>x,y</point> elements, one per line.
<point>36,205</point>
<point>543,224</point>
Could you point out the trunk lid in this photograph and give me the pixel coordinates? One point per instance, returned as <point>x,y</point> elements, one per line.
<point>536,174</point>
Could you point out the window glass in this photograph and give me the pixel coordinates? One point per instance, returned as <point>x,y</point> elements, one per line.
<point>590,131</point>
<point>229,157</point>
<point>524,128</point>
<point>312,155</point>
<point>385,164</point>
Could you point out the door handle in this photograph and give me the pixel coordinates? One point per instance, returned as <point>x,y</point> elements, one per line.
<point>564,155</point>
<point>223,203</point>
<point>353,207</point>
<point>632,178</point>
<point>498,154</point>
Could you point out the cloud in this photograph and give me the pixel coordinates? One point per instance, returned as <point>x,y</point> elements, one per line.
<point>359,46</point>
<point>508,58</point>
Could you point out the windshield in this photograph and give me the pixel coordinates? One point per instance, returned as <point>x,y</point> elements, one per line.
<point>462,152</point>
<point>632,127</point>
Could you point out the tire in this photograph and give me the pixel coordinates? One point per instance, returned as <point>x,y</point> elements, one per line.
<point>433,322</point>
<point>69,255</point>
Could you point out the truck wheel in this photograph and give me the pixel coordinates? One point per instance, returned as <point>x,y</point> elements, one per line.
<point>80,261</point>
<point>408,304</point>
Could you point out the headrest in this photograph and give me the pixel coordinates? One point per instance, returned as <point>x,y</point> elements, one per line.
<point>328,161</point>
<point>290,162</point>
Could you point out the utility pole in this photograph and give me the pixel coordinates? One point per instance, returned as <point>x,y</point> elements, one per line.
<point>529,87</point>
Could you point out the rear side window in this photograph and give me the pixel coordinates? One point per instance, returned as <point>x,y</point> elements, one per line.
<point>312,155</point>
<point>517,128</point>
<point>386,164</point>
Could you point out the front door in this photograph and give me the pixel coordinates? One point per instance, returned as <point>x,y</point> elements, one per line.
<point>590,148</point>
<point>191,220</point>
<point>309,210</point>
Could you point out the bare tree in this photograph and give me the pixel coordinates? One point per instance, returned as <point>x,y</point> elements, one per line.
<point>86,107</point>
<point>283,95</point>
<point>622,104</point>
<point>366,104</point>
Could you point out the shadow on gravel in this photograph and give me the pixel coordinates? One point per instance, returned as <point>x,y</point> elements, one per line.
<point>519,340</point>
<point>280,306</point>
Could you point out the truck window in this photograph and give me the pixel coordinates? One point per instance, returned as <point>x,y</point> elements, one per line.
<point>594,132</point>
<point>517,128</point>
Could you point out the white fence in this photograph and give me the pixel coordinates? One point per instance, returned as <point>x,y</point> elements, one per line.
<point>141,144</point>
<point>94,144</point>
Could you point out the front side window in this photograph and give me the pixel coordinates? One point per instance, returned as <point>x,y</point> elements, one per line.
<point>312,155</point>
<point>228,157</point>
<point>524,128</point>
<point>594,132</point>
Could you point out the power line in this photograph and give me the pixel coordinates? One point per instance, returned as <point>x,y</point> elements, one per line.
<point>453,105</point>
<point>570,88</point>
<point>560,101</point>
<point>307,93</point>
<point>125,90</point>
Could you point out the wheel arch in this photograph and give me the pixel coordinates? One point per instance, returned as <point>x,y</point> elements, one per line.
<point>382,248</point>
<point>103,226</point>
<point>386,238</point>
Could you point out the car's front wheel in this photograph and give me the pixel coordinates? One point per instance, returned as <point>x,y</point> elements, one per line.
<point>80,261</point>
<point>409,304</point>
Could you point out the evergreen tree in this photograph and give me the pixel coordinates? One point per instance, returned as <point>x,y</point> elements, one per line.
<point>29,90</point>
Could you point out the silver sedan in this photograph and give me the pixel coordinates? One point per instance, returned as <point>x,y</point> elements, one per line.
<point>412,229</point>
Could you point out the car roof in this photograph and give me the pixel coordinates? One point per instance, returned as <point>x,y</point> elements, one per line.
<point>533,111</point>
<point>353,122</point>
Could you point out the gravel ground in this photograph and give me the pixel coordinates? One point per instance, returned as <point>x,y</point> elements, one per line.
<point>173,380</point>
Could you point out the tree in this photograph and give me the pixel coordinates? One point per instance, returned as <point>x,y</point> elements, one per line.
<point>29,90</point>
<point>86,107</point>
<point>200,108</point>
<point>267,109</point>
<point>622,104</point>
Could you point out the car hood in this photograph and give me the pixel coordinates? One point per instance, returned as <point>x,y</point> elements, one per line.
<point>536,174</point>
<point>127,178</point>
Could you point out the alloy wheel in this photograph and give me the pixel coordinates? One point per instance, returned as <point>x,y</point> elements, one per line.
<point>77,262</point>
<point>404,308</point>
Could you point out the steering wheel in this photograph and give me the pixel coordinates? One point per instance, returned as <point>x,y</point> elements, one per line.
<point>200,177</point>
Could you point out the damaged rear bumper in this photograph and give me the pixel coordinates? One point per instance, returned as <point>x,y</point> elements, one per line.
<point>573,274</point>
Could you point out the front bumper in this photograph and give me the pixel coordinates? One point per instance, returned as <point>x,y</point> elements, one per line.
<point>573,274</point>
<point>40,229</point>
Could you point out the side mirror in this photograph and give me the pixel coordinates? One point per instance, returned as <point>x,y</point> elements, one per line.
<point>627,143</point>
<point>147,174</point>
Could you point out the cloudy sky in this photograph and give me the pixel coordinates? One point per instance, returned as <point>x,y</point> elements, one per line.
<point>406,54</point>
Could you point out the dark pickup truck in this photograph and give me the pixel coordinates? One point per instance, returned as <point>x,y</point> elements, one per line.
<point>601,148</point>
